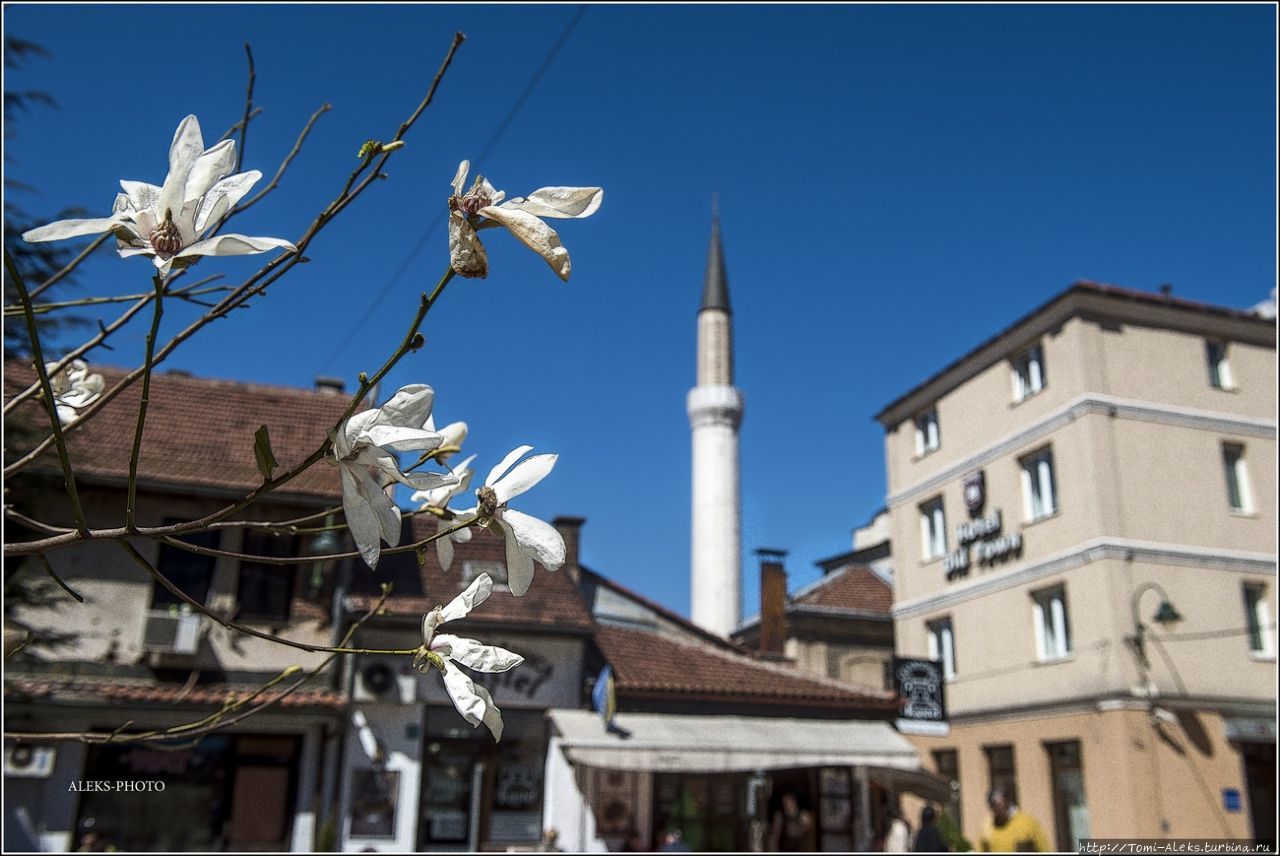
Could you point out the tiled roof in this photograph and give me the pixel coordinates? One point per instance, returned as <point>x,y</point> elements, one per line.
<point>855,587</point>
<point>553,601</point>
<point>199,432</point>
<point>651,665</point>
<point>150,692</point>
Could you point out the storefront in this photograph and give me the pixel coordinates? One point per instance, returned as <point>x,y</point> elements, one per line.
<point>720,780</point>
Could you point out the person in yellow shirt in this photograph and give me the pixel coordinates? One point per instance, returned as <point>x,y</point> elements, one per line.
<point>1011,831</point>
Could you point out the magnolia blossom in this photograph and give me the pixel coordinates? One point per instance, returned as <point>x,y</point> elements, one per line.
<point>365,446</point>
<point>73,389</point>
<point>478,208</point>
<point>170,222</point>
<point>438,499</point>
<point>452,436</point>
<point>443,651</point>
<point>527,538</point>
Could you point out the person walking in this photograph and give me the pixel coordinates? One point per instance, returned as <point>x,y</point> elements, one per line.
<point>897,838</point>
<point>1010,830</point>
<point>929,839</point>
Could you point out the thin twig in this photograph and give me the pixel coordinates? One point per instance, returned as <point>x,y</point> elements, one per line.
<point>186,293</point>
<point>48,569</point>
<point>248,108</point>
<point>284,165</point>
<point>257,111</point>
<point>51,406</point>
<point>147,367</point>
<point>69,267</point>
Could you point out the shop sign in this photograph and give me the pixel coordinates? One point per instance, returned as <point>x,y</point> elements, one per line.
<point>920,687</point>
<point>982,541</point>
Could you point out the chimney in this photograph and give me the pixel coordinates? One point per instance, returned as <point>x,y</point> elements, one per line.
<point>773,602</point>
<point>1166,289</point>
<point>330,385</point>
<point>570,529</point>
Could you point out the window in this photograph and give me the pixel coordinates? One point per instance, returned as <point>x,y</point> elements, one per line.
<point>933,530</point>
<point>947,764</point>
<point>942,646</point>
<point>1028,373</point>
<point>1219,371</point>
<point>1238,495</point>
<point>1053,632</point>
<point>473,569</point>
<point>926,432</point>
<point>191,572</point>
<point>1257,613</point>
<point>1039,499</point>
<point>1070,809</point>
<point>265,591</point>
<point>1001,772</point>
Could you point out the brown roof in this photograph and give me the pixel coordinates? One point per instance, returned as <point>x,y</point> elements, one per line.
<point>855,587</point>
<point>149,692</point>
<point>650,665</point>
<point>199,432</point>
<point>553,601</point>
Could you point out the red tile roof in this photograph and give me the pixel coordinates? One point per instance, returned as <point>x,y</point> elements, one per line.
<point>149,692</point>
<point>855,587</point>
<point>553,601</point>
<point>650,665</point>
<point>199,432</point>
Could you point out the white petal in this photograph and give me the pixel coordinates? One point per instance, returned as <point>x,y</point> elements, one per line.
<point>210,168</point>
<point>523,476</point>
<point>576,202</point>
<point>466,254</point>
<point>512,456</point>
<point>460,178</point>
<point>477,593</point>
<point>222,197</point>
<point>430,622</point>
<point>402,439</point>
<point>66,413</point>
<point>363,523</point>
<point>519,562</point>
<point>473,707</point>
<point>380,503</point>
<point>473,655</point>
<point>537,537</point>
<point>444,545</point>
<point>186,148</point>
<point>492,716</point>
<point>427,481</point>
<point>535,235</point>
<point>140,194</point>
<point>235,245</point>
<point>410,407</point>
<point>64,229</point>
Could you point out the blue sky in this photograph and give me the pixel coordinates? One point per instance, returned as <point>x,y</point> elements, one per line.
<point>896,184</point>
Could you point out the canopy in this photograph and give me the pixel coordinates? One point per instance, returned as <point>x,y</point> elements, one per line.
<point>660,742</point>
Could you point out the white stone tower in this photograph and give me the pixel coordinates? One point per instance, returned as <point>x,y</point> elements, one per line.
<point>715,412</point>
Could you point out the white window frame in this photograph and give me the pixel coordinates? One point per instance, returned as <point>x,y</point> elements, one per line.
<point>927,436</point>
<point>1258,617</point>
<point>933,530</point>
<point>1219,369</point>
<point>1237,477</point>
<point>1051,624</point>
<point>1028,373</point>
<point>1039,485</point>
<point>942,645</point>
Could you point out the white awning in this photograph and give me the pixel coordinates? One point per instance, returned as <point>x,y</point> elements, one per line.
<point>660,742</point>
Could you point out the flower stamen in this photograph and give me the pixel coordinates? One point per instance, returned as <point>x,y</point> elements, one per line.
<point>165,239</point>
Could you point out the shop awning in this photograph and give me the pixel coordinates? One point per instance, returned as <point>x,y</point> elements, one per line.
<point>660,742</point>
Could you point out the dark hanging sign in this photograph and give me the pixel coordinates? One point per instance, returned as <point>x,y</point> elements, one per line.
<point>975,492</point>
<point>920,688</point>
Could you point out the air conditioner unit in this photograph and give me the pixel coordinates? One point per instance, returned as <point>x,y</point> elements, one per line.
<point>24,761</point>
<point>171,632</point>
<point>379,679</point>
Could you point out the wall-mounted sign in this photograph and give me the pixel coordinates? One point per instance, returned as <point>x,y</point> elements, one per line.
<point>981,540</point>
<point>975,492</point>
<point>919,685</point>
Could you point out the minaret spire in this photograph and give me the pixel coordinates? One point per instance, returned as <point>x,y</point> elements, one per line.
<point>715,411</point>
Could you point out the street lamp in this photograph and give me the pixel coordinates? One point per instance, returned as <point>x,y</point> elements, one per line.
<point>1166,616</point>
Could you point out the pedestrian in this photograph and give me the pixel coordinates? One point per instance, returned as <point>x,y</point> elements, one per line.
<point>673,842</point>
<point>793,828</point>
<point>929,839</point>
<point>897,837</point>
<point>1010,830</point>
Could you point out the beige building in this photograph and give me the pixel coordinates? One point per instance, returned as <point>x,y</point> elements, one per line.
<point>1108,456</point>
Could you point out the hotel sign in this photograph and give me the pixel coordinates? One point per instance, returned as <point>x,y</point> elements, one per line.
<point>922,707</point>
<point>982,541</point>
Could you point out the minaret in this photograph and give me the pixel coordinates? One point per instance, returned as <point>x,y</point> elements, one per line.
<point>715,412</point>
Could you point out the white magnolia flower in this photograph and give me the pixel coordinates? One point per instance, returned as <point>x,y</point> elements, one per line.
<point>365,446</point>
<point>453,434</point>
<point>519,215</point>
<point>443,650</point>
<point>438,498</point>
<point>527,538</point>
<point>170,222</point>
<point>73,389</point>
